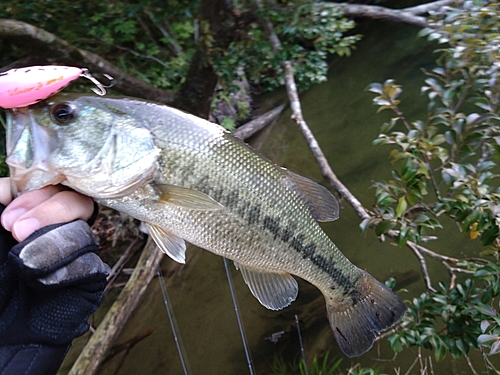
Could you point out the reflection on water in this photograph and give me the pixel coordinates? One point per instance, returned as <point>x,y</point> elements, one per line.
<point>345,122</point>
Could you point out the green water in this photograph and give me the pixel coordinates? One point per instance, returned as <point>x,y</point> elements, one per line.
<point>345,123</point>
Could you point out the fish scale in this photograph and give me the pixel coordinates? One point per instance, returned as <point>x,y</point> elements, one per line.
<point>243,161</point>
<point>190,180</point>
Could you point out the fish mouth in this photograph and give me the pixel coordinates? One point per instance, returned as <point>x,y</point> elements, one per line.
<point>35,161</point>
<point>28,149</point>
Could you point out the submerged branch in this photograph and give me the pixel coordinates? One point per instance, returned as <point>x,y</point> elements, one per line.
<point>250,128</point>
<point>108,330</point>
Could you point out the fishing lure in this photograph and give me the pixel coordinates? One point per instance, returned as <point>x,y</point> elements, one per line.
<point>25,86</point>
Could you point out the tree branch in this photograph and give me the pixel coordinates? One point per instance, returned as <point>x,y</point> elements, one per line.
<point>250,128</point>
<point>52,49</point>
<point>409,16</point>
<point>325,168</point>
<point>102,339</point>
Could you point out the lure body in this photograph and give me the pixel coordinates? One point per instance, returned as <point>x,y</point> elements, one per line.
<point>25,86</point>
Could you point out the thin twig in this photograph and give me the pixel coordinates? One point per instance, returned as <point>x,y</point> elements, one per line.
<point>452,274</point>
<point>423,266</point>
<point>432,254</point>
<point>412,365</point>
<point>174,47</point>
<point>120,263</point>
<point>154,58</point>
<point>390,331</point>
<point>487,360</point>
<point>430,364</point>
<point>470,364</point>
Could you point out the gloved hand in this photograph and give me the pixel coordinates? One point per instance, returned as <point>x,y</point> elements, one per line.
<point>49,285</point>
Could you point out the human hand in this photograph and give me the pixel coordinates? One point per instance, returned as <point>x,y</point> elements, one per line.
<point>36,209</point>
<point>51,281</point>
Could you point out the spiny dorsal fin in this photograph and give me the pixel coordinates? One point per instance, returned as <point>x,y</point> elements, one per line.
<point>173,246</point>
<point>323,204</point>
<point>187,198</point>
<point>273,290</point>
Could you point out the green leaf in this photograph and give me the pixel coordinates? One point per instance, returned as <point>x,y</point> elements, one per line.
<point>495,348</point>
<point>440,352</point>
<point>485,309</point>
<point>483,339</point>
<point>384,227</point>
<point>401,207</point>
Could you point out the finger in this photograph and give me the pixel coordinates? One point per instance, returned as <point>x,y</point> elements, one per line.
<point>60,208</point>
<point>25,203</point>
<point>5,192</point>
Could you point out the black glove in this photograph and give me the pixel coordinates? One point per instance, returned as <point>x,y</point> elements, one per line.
<point>49,285</point>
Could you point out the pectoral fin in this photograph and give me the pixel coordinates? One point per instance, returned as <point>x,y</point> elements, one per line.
<point>324,206</point>
<point>273,290</point>
<point>173,246</point>
<point>187,198</point>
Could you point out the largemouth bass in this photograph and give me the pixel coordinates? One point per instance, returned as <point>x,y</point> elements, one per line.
<point>190,180</point>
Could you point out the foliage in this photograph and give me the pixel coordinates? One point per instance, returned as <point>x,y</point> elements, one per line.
<point>325,366</point>
<point>155,40</point>
<point>308,34</point>
<point>453,153</point>
<point>141,37</point>
<point>447,165</point>
<point>457,319</point>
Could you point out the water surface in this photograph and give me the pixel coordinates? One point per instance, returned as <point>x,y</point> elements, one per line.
<point>345,123</point>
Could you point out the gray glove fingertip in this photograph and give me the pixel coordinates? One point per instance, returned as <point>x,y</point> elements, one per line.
<point>87,266</point>
<point>55,243</point>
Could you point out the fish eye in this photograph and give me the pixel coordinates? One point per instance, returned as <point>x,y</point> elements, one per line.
<point>62,113</point>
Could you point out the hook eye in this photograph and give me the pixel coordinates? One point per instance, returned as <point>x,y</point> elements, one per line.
<point>101,89</point>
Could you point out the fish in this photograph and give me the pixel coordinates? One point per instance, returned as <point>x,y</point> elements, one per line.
<point>191,180</point>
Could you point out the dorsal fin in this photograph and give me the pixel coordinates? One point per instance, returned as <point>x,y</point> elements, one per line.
<point>173,246</point>
<point>324,206</point>
<point>187,198</point>
<point>273,290</point>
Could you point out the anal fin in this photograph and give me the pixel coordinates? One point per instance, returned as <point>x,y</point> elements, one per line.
<point>273,290</point>
<point>173,246</point>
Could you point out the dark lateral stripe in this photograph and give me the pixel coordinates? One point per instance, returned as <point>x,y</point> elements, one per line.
<point>308,251</point>
<point>252,213</point>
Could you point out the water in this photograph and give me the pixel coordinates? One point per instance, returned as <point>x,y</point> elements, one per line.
<point>345,122</point>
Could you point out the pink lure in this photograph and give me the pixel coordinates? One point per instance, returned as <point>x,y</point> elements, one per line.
<point>24,86</point>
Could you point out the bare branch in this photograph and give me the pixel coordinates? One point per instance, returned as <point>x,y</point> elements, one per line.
<point>52,49</point>
<point>423,266</point>
<point>314,145</point>
<point>428,7</point>
<point>174,47</point>
<point>409,16</point>
<point>247,130</point>
<point>101,341</point>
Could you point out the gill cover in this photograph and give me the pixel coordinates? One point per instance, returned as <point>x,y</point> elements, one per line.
<point>81,142</point>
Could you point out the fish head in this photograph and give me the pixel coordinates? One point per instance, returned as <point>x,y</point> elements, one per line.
<point>93,145</point>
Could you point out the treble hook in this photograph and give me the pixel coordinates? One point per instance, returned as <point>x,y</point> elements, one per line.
<point>101,89</point>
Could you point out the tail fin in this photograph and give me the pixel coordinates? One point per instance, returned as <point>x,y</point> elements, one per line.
<point>358,320</point>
